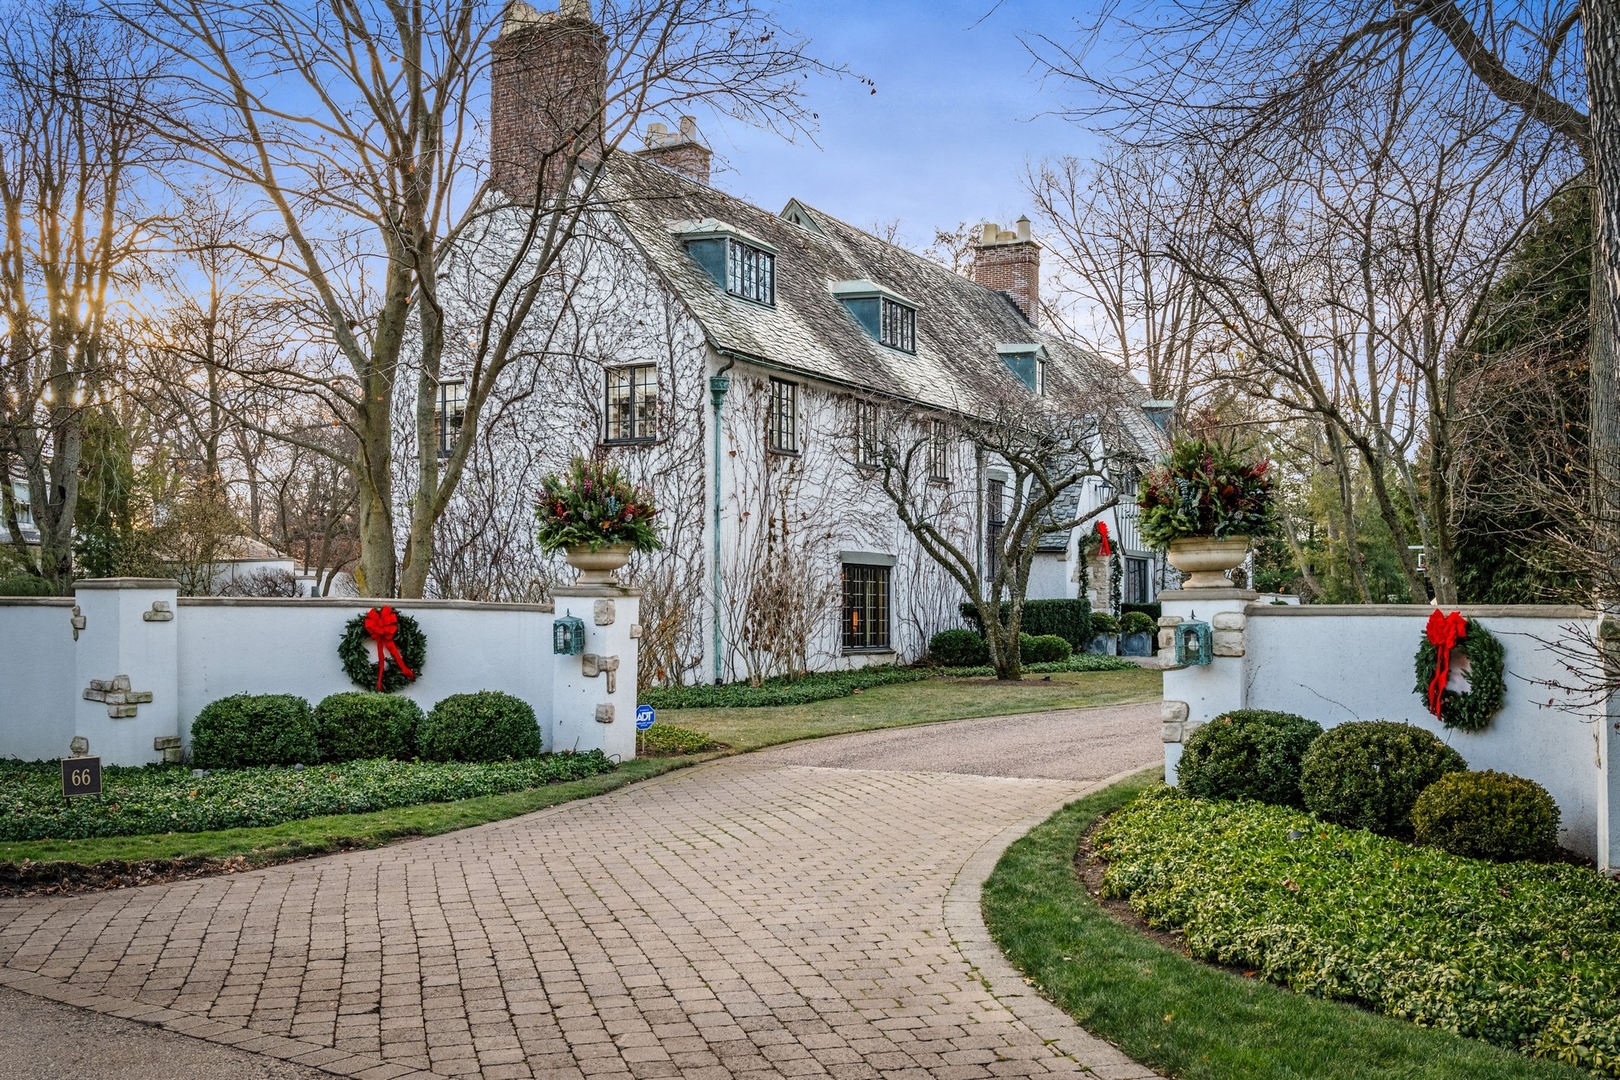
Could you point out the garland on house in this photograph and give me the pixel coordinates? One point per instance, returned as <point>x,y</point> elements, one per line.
<point>1116,584</point>
<point>382,650</point>
<point>1447,640</point>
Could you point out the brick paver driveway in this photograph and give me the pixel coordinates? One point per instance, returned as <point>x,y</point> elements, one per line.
<point>761,916</point>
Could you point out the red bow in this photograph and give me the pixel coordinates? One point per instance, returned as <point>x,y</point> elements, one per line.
<point>1443,632</point>
<point>1102,531</point>
<point>382,624</point>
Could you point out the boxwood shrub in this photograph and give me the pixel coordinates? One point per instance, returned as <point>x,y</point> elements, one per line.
<point>1103,623</point>
<point>485,726</point>
<point>1369,773</point>
<point>1068,619</point>
<point>1248,754</point>
<point>958,648</point>
<point>365,724</point>
<point>1487,815</point>
<point>245,730</point>
<point>1137,622</point>
<point>1043,649</point>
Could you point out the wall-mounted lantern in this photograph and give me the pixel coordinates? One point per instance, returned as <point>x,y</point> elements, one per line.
<point>1195,643</point>
<point>568,636</point>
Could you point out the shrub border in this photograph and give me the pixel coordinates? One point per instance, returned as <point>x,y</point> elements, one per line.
<point>1185,1018</point>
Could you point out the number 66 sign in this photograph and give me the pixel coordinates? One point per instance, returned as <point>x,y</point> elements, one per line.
<point>81,776</point>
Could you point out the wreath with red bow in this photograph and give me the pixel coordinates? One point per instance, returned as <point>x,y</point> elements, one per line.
<point>1452,644</point>
<point>383,650</point>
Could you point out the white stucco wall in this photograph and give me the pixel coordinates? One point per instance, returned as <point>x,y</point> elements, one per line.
<point>36,677</point>
<point>215,647</point>
<point>257,646</point>
<point>1334,664</point>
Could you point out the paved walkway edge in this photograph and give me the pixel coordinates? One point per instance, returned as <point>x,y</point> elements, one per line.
<point>964,919</point>
<point>312,1055</point>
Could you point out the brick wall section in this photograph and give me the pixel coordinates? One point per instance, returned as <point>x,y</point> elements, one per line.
<point>548,81</point>
<point>1010,262</point>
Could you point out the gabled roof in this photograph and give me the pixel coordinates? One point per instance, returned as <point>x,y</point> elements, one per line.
<point>960,323</point>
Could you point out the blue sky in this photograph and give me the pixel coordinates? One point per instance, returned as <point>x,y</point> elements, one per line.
<point>959,111</point>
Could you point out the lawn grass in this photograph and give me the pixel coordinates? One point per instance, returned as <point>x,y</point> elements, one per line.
<point>1185,1018</point>
<point>928,702</point>
<point>740,729</point>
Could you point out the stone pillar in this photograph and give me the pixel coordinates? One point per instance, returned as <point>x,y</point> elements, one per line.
<point>127,669</point>
<point>1195,695</point>
<point>593,702</point>
<point>1606,752</point>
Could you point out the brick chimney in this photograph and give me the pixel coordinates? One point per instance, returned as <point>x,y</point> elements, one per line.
<point>678,150</point>
<point>548,82</point>
<point>1010,263</point>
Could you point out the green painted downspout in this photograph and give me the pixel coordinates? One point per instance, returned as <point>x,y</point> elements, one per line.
<point>718,385</point>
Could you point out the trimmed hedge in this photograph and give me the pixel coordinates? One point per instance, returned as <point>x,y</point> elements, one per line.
<point>958,648</point>
<point>1153,611</point>
<point>1043,649</point>
<point>1248,754</point>
<point>168,798</point>
<point>365,724</point>
<point>1487,815</point>
<point>1368,774</point>
<point>1523,955</point>
<point>485,726</point>
<point>1077,662</point>
<point>247,730</point>
<point>1103,624</point>
<point>818,686</point>
<point>1068,619</point>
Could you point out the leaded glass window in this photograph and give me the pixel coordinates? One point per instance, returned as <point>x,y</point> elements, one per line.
<point>632,403</point>
<point>866,607</point>
<point>784,419</point>
<point>899,326</point>
<point>751,273</point>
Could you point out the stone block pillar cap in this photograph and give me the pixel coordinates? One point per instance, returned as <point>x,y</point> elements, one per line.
<point>125,583</point>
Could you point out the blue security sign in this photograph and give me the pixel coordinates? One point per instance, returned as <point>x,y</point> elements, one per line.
<point>645,717</point>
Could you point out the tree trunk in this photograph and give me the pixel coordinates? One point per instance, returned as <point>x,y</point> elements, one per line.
<point>1601,27</point>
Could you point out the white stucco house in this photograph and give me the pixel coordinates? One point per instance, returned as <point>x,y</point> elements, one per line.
<point>741,361</point>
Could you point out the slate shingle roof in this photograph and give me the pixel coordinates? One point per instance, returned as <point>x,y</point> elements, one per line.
<point>959,323</point>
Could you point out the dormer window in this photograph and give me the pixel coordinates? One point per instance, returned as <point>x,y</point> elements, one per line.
<point>899,326</point>
<point>890,318</point>
<point>751,273</point>
<point>744,266</point>
<point>1028,362</point>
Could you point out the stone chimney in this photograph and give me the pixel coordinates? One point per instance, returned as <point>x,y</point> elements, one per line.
<point>1010,263</point>
<point>548,82</point>
<point>678,150</point>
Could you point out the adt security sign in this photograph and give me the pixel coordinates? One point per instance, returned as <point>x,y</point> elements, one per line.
<point>645,717</point>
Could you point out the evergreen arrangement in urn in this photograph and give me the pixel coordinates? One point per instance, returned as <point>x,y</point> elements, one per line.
<point>1205,489</point>
<point>594,506</point>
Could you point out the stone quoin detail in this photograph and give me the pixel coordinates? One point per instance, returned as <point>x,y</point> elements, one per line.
<point>117,696</point>
<point>1167,631</point>
<point>171,747</point>
<point>604,713</point>
<point>603,612</point>
<point>160,612</point>
<point>78,622</point>
<point>592,665</point>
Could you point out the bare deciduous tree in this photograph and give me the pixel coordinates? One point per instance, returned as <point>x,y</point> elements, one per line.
<point>75,97</point>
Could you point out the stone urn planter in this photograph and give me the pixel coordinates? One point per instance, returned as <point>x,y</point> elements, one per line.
<point>1204,560</point>
<point>598,567</point>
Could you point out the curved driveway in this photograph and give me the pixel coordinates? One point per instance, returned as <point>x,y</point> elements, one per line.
<point>805,911</point>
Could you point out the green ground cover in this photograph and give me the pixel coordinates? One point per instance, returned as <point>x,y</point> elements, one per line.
<point>1524,955</point>
<point>169,798</point>
<point>1186,1018</point>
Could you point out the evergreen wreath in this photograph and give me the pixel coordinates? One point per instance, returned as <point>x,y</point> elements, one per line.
<point>1486,664</point>
<point>358,653</point>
